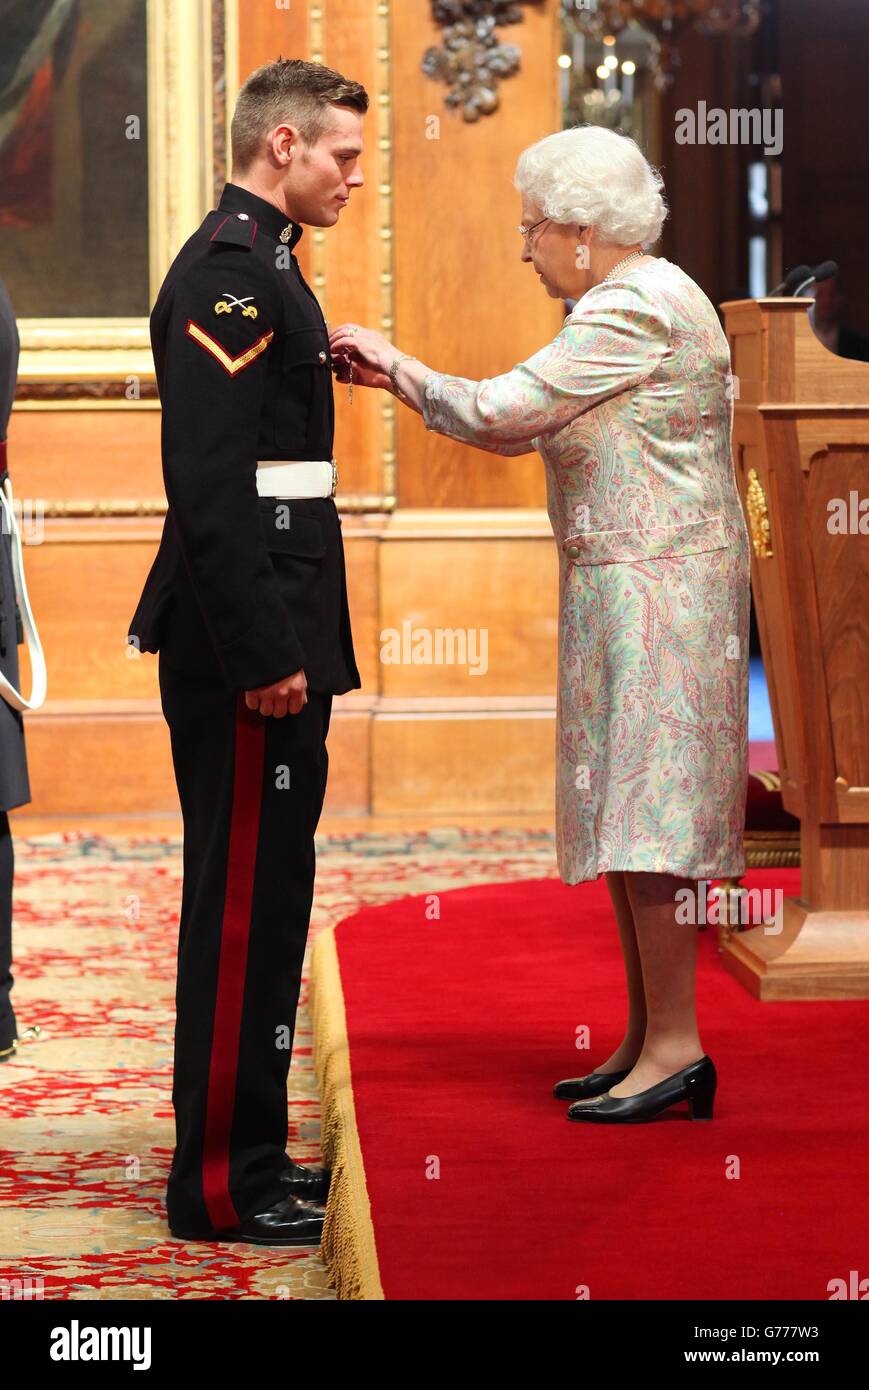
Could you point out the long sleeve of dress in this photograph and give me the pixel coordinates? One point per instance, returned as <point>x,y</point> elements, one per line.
<point>614,338</point>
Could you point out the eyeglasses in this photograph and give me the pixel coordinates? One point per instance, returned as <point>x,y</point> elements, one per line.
<point>526,231</point>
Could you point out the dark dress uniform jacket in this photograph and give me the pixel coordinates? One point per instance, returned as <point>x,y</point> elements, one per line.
<point>244,587</point>
<point>14,780</point>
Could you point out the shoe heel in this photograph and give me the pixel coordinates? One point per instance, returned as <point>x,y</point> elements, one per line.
<point>701,1102</point>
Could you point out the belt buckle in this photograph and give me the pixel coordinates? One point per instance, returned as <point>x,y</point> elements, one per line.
<point>334,478</point>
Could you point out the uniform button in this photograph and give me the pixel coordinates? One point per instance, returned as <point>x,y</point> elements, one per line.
<point>322,357</point>
<point>243,217</point>
<point>573,552</point>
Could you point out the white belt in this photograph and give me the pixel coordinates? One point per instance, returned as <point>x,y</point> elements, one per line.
<point>8,692</point>
<point>296,478</point>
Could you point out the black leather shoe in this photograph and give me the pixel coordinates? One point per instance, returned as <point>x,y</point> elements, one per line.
<point>695,1083</point>
<point>311,1184</point>
<point>595,1084</point>
<point>289,1222</point>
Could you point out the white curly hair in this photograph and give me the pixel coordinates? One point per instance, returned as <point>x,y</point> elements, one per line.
<point>592,176</point>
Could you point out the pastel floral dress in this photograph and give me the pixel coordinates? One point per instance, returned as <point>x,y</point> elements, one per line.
<point>631,409</point>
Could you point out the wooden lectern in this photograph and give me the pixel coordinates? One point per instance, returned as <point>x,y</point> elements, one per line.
<point>801,453</point>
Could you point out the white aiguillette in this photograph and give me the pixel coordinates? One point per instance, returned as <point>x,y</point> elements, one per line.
<point>39,682</point>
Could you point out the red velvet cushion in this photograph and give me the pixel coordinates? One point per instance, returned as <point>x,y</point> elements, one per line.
<point>763,804</point>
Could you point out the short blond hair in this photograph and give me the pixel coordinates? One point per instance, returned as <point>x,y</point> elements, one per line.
<point>292,90</point>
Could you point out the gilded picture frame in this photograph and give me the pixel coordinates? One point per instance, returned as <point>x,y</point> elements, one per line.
<point>192,48</point>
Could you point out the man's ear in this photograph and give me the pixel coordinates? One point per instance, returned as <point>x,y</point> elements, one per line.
<point>282,142</point>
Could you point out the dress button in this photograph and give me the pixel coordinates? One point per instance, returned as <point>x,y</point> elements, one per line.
<point>573,552</point>
<point>322,357</point>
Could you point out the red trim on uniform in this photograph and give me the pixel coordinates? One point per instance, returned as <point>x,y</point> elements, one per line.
<point>4,458</point>
<point>232,967</point>
<point>255,230</point>
<point>217,229</point>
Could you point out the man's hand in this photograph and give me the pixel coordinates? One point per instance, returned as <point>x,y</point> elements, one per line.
<point>284,697</point>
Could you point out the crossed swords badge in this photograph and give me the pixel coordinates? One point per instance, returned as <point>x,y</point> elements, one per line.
<point>229,302</point>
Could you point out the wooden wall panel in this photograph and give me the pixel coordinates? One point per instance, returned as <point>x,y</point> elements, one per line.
<point>342,264</point>
<point>499,598</point>
<point>92,759</point>
<point>415,737</point>
<point>464,765</point>
<point>465,304</point>
<point>347,274</point>
<point>84,582</point>
<point>76,455</point>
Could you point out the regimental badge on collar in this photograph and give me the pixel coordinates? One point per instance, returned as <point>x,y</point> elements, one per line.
<point>229,302</point>
<point>287,233</point>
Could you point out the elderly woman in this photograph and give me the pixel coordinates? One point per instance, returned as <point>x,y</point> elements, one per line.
<point>630,407</point>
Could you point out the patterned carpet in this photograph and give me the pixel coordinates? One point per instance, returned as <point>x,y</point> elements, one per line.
<point>87,1127</point>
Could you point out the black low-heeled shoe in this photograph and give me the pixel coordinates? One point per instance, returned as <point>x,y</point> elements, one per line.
<point>595,1084</point>
<point>695,1083</point>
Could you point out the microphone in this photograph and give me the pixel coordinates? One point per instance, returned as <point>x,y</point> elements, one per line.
<point>825,271</point>
<point>793,278</point>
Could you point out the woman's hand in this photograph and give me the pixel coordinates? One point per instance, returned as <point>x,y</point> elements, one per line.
<point>370,353</point>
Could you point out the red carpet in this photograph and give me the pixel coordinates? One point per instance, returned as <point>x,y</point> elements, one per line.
<point>458,1028</point>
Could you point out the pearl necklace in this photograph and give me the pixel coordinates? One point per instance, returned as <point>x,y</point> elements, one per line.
<point>611,275</point>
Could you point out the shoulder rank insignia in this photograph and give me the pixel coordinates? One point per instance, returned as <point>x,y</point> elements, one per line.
<point>231,365</point>
<point>237,229</point>
<point>229,302</point>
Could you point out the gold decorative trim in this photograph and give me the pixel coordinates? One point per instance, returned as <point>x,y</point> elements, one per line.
<point>758,516</point>
<point>770,781</point>
<point>787,857</point>
<point>366,502</point>
<point>81,395</point>
<point>180,177</point>
<point>348,1246</point>
<point>231,60</point>
<point>219,106</point>
<point>469,523</point>
<point>180,125</point>
<point>782,410</point>
<point>111,507</point>
<point>317,49</point>
<point>156,506</point>
<point>232,365</point>
<point>383,107</point>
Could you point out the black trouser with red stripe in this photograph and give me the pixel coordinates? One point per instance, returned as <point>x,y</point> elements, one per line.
<point>251,790</point>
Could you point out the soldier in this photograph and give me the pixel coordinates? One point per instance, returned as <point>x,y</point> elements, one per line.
<point>246,603</point>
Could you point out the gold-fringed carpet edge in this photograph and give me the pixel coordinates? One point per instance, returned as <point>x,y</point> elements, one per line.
<point>348,1245</point>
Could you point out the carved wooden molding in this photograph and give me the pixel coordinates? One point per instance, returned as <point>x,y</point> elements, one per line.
<point>104,390</point>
